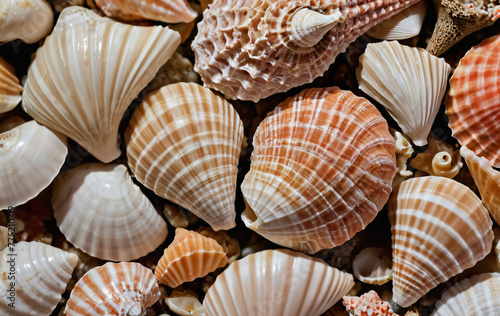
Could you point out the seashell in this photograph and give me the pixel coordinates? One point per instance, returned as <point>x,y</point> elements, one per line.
<point>28,20</point>
<point>251,49</point>
<point>276,282</point>
<point>183,142</point>
<point>189,256</point>
<point>373,265</point>
<point>36,278</point>
<point>10,89</point>
<point>174,215</point>
<point>403,25</point>
<point>408,81</point>
<point>125,288</point>
<point>99,209</point>
<point>98,89</point>
<point>4,237</point>
<point>168,11</point>
<point>439,228</point>
<point>184,304</point>
<point>478,295</point>
<point>472,103</point>
<point>367,304</point>
<point>321,169</point>
<point>486,179</point>
<point>457,19</point>
<point>230,245</point>
<point>32,156</point>
<point>404,150</point>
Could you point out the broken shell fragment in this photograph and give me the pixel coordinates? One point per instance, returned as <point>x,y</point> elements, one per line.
<point>439,159</point>
<point>373,266</point>
<point>366,305</point>
<point>10,89</point>
<point>404,150</point>
<point>28,20</point>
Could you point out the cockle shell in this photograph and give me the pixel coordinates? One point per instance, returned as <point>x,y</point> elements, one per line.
<point>321,169</point>
<point>183,142</point>
<point>31,157</point>
<point>408,81</point>
<point>479,295</point>
<point>89,71</point>
<point>473,102</point>
<point>439,159</point>
<point>100,210</point>
<point>10,89</point>
<point>121,289</point>
<point>373,265</point>
<point>275,283</point>
<point>188,257</point>
<point>251,49</point>
<point>367,304</point>
<point>439,228</point>
<point>34,275</point>
<point>28,20</point>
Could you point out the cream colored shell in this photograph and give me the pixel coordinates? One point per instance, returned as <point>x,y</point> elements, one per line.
<point>10,89</point>
<point>439,159</point>
<point>184,304</point>
<point>28,20</point>
<point>373,265</point>
<point>404,150</point>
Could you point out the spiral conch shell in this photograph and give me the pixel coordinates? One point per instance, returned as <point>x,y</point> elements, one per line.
<point>252,49</point>
<point>321,169</point>
<point>28,20</point>
<point>276,283</point>
<point>439,159</point>
<point>10,89</point>
<point>439,228</point>
<point>183,142</point>
<point>88,72</point>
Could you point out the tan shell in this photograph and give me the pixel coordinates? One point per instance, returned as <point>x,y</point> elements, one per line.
<point>373,265</point>
<point>82,90</point>
<point>439,159</point>
<point>10,89</point>
<point>28,20</point>
<point>183,142</point>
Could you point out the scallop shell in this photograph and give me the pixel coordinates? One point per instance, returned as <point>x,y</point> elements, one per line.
<point>31,158</point>
<point>190,256</point>
<point>439,228</point>
<point>89,71</point>
<point>28,20</point>
<point>479,295</point>
<point>183,142</point>
<point>373,265</point>
<point>321,169</point>
<point>10,89</point>
<point>472,103</point>
<point>439,159</point>
<point>168,11</point>
<point>275,283</point>
<point>250,49</point>
<point>408,81</point>
<point>122,289</point>
<point>100,210</point>
<point>34,275</point>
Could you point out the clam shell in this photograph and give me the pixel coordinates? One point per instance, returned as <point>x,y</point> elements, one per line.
<point>472,103</point>
<point>36,274</point>
<point>28,20</point>
<point>190,256</point>
<point>183,142</point>
<point>89,71</point>
<point>10,89</point>
<point>31,157</point>
<point>275,283</point>
<point>100,210</point>
<point>122,289</point>
<point>408,81</point>
<point>321,169</point>
<point>373,265</point>
<point>439,228</point>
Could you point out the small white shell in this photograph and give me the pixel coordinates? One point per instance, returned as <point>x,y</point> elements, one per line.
<point>184,304</point>
<point>29,20</point>
<point>373,266</point>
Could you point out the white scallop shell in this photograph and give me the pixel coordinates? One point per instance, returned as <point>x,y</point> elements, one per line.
<point>10,89</point>
<point>100,210</point>
<point>373,265</point>
<point>29,20</point>
<point>408,81</point>
<point>31,157</point>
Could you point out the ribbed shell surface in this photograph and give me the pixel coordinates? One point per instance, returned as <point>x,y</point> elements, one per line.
<point>473,101</point>
<point>88,72</point>
<point>114,289</point>
<point>321,169</point>
<point>10,89</point>
<point>439,228</point>
<point>183,142</point>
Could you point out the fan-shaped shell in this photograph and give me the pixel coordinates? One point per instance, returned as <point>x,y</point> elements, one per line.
<point>34,275</point>
<point>275,283</point>
<point>121,289</point>
<point>100,210</point>
<point>473,102</point>
<point>28,20</point>
<point>89,71</point>
<point>321,169</point>
<point>31,157</point>
<point>184,142</point>
<point>408,81</point>
<point>10,89</point>
<point>439,228</point>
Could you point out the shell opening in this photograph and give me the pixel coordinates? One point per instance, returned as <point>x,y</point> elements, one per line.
<point>441,162</point>
<point>308,27</point>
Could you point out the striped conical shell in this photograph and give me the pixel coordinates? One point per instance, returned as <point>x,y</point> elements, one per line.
<point>276,283</point>
<point>183,142</point>
<point>473,102</point>
<point>38,275</point>
<point>321,169</point>
<point>439,228</point>
<point>10,89</point>
<point>88,72</point>
<point>190,256</point>
<point>121,289</point>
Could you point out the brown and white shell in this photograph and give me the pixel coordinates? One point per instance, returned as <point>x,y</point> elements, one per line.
<point>10,89</point>
<point>28,20</point>
<point>321,169</point>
